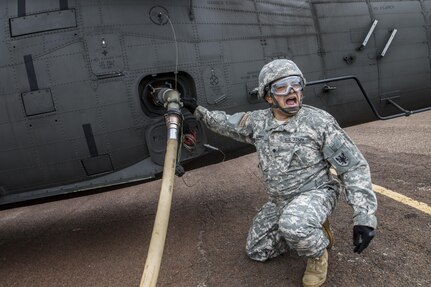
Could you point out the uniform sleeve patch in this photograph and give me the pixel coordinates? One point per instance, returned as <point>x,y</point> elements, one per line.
<point>342,159</point>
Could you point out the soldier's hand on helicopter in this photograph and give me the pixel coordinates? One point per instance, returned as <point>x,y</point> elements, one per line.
<point>362,236</point>
<point>190,104</point>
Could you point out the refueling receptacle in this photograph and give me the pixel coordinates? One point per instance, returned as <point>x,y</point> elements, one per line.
<point>193,135</point>
<point>149,85</point>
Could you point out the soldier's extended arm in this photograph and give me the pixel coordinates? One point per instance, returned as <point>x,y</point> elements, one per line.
<point>354,172</point>
<point>236,126</point>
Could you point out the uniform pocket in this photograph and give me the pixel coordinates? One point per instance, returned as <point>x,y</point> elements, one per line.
<point>305,156</point>
<point>283,156</point>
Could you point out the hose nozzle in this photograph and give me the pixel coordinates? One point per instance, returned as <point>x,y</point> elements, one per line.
<point>170,99</point>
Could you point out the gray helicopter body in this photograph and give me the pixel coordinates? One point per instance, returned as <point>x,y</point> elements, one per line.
<point>76,77</point>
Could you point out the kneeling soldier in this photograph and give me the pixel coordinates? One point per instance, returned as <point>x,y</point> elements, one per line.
<point>296,145</point>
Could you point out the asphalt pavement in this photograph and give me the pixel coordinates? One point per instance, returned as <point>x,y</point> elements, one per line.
<point>102,239</point>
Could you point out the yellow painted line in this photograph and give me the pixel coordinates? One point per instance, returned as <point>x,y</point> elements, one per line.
<point>403,199</point>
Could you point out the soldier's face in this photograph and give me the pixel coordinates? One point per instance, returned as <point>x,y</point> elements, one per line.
<point>291,100</point>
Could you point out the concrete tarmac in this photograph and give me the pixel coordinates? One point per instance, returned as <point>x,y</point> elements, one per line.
<point>102,239</point>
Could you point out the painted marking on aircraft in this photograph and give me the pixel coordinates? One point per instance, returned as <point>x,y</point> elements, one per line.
<point>31,73</point>
<point>91,141</point>
<point>403,199</point>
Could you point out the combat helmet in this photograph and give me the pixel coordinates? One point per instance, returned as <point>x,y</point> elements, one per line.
<point>275,70</point>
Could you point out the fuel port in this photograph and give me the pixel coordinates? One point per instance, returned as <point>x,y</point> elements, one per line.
<point>151,83</point>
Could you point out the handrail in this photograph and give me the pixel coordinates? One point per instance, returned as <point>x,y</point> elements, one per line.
<point>373,108</point>
<point>370,32</point>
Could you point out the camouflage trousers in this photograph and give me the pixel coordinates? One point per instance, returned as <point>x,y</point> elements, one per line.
<point>294,223</point>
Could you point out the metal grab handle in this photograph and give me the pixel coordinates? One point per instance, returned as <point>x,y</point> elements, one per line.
<point>394,32</point>
<point>370,32</point>
<point>373,108</point>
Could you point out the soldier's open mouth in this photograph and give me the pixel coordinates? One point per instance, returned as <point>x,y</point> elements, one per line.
<point>291,101</point>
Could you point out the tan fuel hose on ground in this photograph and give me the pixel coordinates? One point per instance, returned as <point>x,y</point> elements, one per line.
<point>157,243</point>
<point>155,251</point>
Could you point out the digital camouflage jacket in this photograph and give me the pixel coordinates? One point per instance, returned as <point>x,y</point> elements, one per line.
<point>300,151</point>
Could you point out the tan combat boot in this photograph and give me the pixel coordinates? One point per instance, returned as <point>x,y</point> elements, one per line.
<point>315,273</point>
<point>328,232</point>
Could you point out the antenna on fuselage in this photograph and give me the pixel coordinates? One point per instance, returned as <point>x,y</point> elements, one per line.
<point>176,48</point>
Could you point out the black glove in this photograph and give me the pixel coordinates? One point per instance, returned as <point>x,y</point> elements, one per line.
<point>362,236</point>
<point>190,104</point>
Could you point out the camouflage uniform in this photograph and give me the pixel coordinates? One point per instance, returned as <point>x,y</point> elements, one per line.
<point>295,158</point>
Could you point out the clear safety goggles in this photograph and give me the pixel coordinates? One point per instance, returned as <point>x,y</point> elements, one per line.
<point>284,86</point>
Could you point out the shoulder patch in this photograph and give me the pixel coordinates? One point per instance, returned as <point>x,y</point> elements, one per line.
<point>342,159</point>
